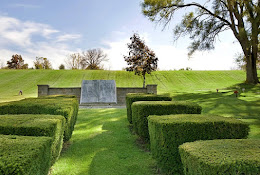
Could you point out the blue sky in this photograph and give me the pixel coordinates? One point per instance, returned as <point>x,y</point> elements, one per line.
<point>57,28</point>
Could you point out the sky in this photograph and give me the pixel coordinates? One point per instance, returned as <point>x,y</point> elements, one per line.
<point>57,28</point>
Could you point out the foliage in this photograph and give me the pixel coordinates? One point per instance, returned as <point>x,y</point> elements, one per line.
<point>167,133</point>
<point>133,97</point>
<point>102,145</point>
<point>67,107</point>
<point>22,155</point>
<point>140,59</point>
<point>142,109</point>
<point>36,125</point>
<point>91,59</point>
<point>204,24</point>
<point>221,157</point>
<point>62,67</point>
<point>16,62</point>
<point>73,61</point>
<point>42,63</point>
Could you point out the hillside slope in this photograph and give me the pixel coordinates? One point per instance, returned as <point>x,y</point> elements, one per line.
<point>11,81</point>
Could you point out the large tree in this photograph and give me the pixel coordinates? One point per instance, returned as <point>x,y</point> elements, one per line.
<point>16,62</point>
<point>140,59</point>
<point>92,59</point>
<point>206,20</point>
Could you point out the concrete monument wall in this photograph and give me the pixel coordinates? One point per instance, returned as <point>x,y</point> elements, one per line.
<point>121,92</point>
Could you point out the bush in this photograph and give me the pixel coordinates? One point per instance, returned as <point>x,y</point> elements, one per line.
<point>168,132</point>
<point>133,97</point>
<point>25,155</point>
<point>234,157</point>
<point>54,105</point>
<point>36,125</point>
<point>142,109</point>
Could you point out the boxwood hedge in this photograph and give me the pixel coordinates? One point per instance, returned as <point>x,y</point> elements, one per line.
<point>133,97</point>
<point>23,155</point>
<point>168,132</point>
<point>142,109</point>
<point>36,125</point>
<point>234,157</point>
<point>55,105</point>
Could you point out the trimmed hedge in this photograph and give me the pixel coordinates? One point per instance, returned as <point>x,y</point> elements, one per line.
<point>133,97</point>
<point>234,157</point>
<point>54,105</point>
<point>23,155</point>
<point>142,109</point>
<point>168,132</point>
<point>36,125</point>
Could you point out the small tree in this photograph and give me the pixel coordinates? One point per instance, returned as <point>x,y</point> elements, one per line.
<point>73,61</point>
<point>141,59</point>
<point>62,67</point>
<point>42,63</point>
<point>16,62</point>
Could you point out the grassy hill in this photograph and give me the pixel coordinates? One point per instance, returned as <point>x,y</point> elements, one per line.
<point>168,81</point>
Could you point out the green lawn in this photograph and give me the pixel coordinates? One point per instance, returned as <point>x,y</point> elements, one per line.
<point>102,143</point>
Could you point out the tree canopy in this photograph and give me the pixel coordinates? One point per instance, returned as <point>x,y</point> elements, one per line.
<point>42,63</point>
<point>140,59</point>
<point>16,62</point>
<point>205,21</point>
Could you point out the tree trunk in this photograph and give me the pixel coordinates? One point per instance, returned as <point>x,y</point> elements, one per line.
<point>251,71</point>
<point>144,81</point>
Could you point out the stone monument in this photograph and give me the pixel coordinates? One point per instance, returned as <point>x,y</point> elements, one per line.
<point>98,91</point>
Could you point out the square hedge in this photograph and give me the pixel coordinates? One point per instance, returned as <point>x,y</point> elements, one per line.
<point>133,97</point>
<point>23,155</point>
<point>54,105</point>
<point>234,156</point>
<point>168,132</point>
<point>36,125</point>
<point>142,109</point>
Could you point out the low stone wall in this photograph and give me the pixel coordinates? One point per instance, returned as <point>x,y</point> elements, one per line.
<point>44,90</point>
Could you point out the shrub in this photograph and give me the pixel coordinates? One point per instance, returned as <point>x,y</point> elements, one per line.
<point>235,157</point>
<point>133,97</point>
<point>25,155</point>
<point>67,107</point>
<point>36,125</point>
<point>168,132</point>
<point>142,109</point>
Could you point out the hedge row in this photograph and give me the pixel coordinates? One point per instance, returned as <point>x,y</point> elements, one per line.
<point>168,132</point>
<point>133,97</point>
<point>54,105</point>
<point>142,109</point>
<point>215,157</point>
<point>25,155</point>
<point>36,125</point>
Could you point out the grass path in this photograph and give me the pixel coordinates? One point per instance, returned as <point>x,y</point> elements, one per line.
<point>102,145</point>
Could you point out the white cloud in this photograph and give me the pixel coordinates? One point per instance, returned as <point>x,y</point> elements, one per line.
<point>31,39</point>
<point>31,6</point>
<point>67,37</point>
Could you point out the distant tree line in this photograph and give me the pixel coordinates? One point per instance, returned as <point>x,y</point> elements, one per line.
<point>91,59</point>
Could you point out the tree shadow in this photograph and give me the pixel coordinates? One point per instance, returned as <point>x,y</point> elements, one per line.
<point>103,144</point>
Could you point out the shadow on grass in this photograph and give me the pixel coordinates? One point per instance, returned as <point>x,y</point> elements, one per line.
<point>245,107</point>
<point>103,144</point>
